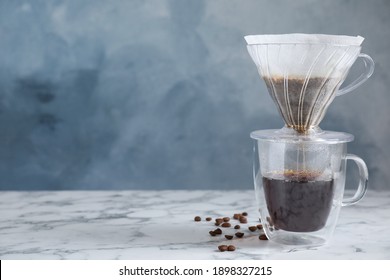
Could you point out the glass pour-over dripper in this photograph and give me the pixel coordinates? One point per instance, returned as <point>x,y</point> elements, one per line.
<point>303,73</point>
<point>299,171</point>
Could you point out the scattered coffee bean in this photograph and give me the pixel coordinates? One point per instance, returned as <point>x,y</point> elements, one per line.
<point>243,220</point>
<point>222,248</point>
<point>231,248</point>
<point>252,228</point>
<point>236,216</point>
<point>263,237</point>
<point>224,222</point>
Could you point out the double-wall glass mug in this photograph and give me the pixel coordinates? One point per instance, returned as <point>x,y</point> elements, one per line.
<point>299,184</point>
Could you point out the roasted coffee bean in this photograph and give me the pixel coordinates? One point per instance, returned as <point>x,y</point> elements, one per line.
<point>212,233</point>
<point>197,219</point>
<point>239,234</point>
<point>244,213</point>
<point>208,219</point>
<point>219,220</point>
<point>236,216</point>
<point>217,224</point>
<point>259,226</point>
<point>228,236</point>
<point>226,219</point>
<point>223,248</point>
<point>252,228</point>
<point>231,248</point>
<point>218,231</point>
<point>263,237</point>
<point>243,220</point>
<point>237,227</point>
<point>226,225</point>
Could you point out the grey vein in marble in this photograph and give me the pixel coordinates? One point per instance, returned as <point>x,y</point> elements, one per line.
<point>159,225</point>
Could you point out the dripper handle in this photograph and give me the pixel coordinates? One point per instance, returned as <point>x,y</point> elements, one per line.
<point>369,69</point>
<point>363,181</point>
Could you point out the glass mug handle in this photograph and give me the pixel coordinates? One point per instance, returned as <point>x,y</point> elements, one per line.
<point>368,70</point>
<point>363,181</point>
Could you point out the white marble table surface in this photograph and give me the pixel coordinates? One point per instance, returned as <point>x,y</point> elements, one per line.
<point>159,225</point>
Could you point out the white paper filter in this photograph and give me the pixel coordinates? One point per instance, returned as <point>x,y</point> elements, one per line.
<point>297,38</point>
<point>303,54</point>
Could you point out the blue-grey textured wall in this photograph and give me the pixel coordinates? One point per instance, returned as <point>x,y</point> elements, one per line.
<point>162,94</point>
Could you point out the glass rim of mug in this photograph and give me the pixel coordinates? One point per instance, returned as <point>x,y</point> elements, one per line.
<point>286,135</point>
